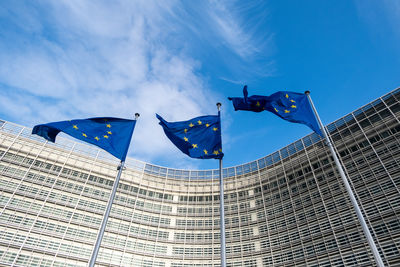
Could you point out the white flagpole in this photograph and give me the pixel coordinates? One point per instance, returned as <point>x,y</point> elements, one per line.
<point>221,206</point>
<point>378,259</point>
<point>107,213</point>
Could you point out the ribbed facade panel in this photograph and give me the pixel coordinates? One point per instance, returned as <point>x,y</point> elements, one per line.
<point>287,209</point>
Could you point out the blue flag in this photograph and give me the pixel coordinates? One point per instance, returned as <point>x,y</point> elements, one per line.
<point>290,106</point>
<point>199,137</point>
<point>111,134</point>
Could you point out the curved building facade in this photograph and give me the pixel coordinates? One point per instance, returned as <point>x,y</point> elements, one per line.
<point>286,209</point>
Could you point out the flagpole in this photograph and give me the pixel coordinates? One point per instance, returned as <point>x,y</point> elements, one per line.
<point>221,206</point>
<point>107,213</point>
<point>378,259</point>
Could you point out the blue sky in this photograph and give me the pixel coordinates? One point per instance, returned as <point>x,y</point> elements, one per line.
<point>71,59</point>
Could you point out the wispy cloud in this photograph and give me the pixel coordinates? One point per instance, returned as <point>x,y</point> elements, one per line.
<point>228,25</point>
<point>73,59</point>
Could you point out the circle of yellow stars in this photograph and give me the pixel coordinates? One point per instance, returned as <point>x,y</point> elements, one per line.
<point>97,138</point>
<point>199,122</point>
<point>293,106</point>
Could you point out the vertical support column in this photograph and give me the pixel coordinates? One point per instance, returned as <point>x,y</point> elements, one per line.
<point>105,218</point>
<point>378,259</point>
<point>222,216</point>
<point>221,207</point>
<point>107,213</point>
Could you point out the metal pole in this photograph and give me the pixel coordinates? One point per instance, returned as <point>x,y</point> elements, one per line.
<point>105,218</point>
<point>107,213</point>
<point>378,259</point>
<point>221,208</point>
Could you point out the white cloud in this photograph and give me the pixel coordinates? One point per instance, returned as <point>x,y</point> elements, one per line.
<point>240,32</point>
<point>93,58</point>
<point>231,30</point>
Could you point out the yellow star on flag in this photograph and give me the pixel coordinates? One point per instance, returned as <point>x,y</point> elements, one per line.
<point>109,132</point>
<point>276,110</point>
<point>205,152</point>
<point>207,125</point>
<point>215,129</point>
<point>75,127</point>
<point>108,125</point>
<point>287,111</point>
<point>287,96</point>
<point>186,139</point>
<point>292,101</point>
<point>191,125</point>
<point>215,152</point>
<point>185,130</point>
<point>293,106</point>
<point>199,122</point>
<point>194,145</point>
<point>258,104</point>
<point>84,135</point>
<point>105,136</point>
<point>97,138</point>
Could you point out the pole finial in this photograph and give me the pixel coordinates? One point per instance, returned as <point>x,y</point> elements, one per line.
<point>219,105</point>
<point>307,92</point>
<point>137,115</point>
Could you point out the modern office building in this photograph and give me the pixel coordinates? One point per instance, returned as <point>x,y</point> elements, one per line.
<point>286,209</point>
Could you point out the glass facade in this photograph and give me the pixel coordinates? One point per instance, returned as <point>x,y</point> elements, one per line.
<point>286,209</point>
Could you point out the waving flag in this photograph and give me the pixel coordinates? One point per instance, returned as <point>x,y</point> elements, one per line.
<point>290,106</point>
<point>199,137</point>
<point>111,134</point>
